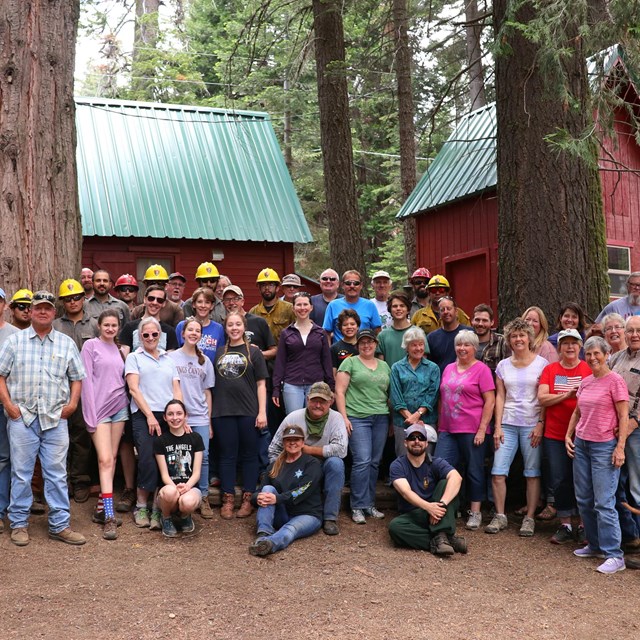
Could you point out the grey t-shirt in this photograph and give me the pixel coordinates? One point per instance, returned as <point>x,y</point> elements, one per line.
<point>194,379</point>
<point>6,330</point>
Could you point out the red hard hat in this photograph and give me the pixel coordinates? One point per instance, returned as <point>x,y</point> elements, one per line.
<point>126,279</point>
<point>420,272</point>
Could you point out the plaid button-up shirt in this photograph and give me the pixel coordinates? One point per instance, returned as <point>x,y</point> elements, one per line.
<point>38,372</point>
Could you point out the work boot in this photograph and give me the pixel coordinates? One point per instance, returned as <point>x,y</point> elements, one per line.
<point>440,545</point>
<point>246,509</point>
<point>458,543</point>
<point>228,502</point>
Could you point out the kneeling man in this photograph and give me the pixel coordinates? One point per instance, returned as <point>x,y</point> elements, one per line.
<point>427,498</point>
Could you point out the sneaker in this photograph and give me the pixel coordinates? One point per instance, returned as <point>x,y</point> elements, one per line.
<point>155,521</point>
<point>20,536</point>
<point>187,525</point>
<point>98,517</point>
<point>261,547</point>
<point>141,517</point>
<point>373,513</point>
<point>474,521</point>
<point>38,506</point>
<point>527,528</point>
<point>168,528</point>
<point>458,543</point>
<point>127,501</point>
<point>611,565</point>
<point>498,523</point>
<point>588,552</point>
<point>562,535</point>
<point>440,545</point>
<point>581,538</point>
<point>68,535</point>
<point>330,527</point>
<point>110,531</point>
<point>357,515</point>
<point>205,509</point>
<point>81,493</point>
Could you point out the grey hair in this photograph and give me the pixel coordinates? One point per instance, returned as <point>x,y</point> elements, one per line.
<point>467,337</point>
<point>413,334</point>
<point>597,342</point>
<point>612,317</point>
<point>149,320</point>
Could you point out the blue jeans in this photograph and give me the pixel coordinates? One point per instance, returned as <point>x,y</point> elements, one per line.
<point>203,483</point>
<point>333,474</point>
<point>460,452</point>
<point>366,444</point>
<point>515,437</point>
<point>632,456</point>
<point>51,446</point>
<point>238,439</point>
<point>560,468</point>
<point>5,464</point>
<point>295,396</point>
<point>281,529</point>
<point>596,481</point>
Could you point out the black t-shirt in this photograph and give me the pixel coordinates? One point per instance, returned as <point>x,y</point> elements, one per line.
<point>258,332</point>
<point>236,392</point>
<point>129,336</point>
<point>342,350</point>
<point>178,452</point>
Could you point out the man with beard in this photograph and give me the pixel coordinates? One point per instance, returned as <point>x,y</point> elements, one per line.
<point>427,498</point>
<point>419,280</point>
<point>126,288</point>
<point>630,304</point>
<point>329,283</point>
<point>277,313</point>
<point>325,437</point>
<point>102,299</point>
<point>86,280</point>
<point>492,346</point>
<point>428,318</point>
<point>441,341</point>
<point>20,307</point>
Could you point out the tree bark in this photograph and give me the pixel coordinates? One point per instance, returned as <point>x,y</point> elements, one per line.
<point>473,33</point>
<point>345,231</point>
<point>145,39</point>
<point>405,123</point>
<point>551,236</point>
<point>40,232</point>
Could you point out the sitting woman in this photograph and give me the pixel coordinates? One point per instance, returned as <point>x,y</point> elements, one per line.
<point>179,458</point>
<point>290,502</point>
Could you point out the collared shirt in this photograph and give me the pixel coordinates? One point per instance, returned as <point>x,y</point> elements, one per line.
<point>427,320</point>
<point>80,331</point>
<point>494,351</point>
<point>38,372</point>
<point>278,317</point>
<point>94,308</point>
<point>413,388</point>
<point>627,364</point>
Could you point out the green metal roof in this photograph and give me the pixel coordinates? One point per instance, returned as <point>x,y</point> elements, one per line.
<point>175,171</point>
<point>466,165</point>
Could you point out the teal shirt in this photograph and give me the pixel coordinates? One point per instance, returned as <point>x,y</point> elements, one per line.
<point>368,390</point>
<point>412,388</point>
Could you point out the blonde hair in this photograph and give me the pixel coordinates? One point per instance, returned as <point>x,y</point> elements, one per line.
<point>542,336</point>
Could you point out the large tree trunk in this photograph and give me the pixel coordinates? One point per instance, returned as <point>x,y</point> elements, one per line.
<point>40,235</point>
<point>145,40</point>
<point>473,33</point>
<point>405,123</point>
<point>550,219</point>
<point>345,232</point>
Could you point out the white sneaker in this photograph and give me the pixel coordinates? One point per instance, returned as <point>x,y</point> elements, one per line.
<point>357,515</point>
<point>374,513</point>
<point>474,521</point>
<point>612,565</point>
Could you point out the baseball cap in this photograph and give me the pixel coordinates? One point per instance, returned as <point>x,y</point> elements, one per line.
<point>291,279</point>
<point>320,390</point>
<point>415,428</point>
<point>569,333</point>
<point>232,288</point>
<point>44,297</point>
<point>293,432</point>
<point>177,274</point>
<point>380,274</point>
<point>367,333</point>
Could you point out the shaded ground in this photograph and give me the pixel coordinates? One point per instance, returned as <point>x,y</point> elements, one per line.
<point>208,586</point>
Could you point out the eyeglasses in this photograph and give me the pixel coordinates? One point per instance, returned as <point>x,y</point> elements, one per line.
<point>352,283</point>
<point>234,299</point>
<point>127,289</point>
<point>328,279</point>
<point>76,298</point>
<point>22,306</point>
<point>416,436</point>
<point>153,334</point>
<point>633,285</point>
<point>632,331</point>
<point>155,299</point>
<point>616,327</point>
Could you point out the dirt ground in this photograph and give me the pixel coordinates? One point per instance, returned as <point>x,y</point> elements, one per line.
<point>355,584</point>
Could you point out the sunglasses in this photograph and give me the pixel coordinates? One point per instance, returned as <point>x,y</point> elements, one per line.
<point>153,334</point>
<point>203,280</point>
<point>438,289</point>
<point>352,283</point>
<point>76,298</point>
<point>416,436</point>
<point>22,306</point>
<point>328,279</point>
<point>155,299</point>
<point>43,297</point>
<point>302,294</point>
<point>419,282</point>
<point>127,289</point>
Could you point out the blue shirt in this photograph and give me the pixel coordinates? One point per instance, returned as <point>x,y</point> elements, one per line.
<point>413,388</point>
<point>369,316</point>
<point>422,479</point>
<point>156,377</point>
<point>442,351</point>
<point>212,338</point>
<point>319,308</point>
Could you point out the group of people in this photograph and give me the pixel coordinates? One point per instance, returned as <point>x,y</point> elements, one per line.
<point>200,393</point>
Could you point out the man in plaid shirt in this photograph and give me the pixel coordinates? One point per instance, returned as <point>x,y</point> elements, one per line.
<point>40,382</point>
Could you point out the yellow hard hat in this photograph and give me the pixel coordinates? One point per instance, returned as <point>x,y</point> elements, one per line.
<point>206,271</point>
<point>267,275</point>
<point>155,273</point>
<point>22,295</point>
<point>70,287</point>
<point>438,281</point>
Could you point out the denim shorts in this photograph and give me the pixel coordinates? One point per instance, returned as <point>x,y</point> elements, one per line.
<point>120,416</point>
<point>515,437</point>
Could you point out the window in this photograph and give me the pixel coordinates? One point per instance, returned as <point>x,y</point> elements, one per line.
<point>619,262</point>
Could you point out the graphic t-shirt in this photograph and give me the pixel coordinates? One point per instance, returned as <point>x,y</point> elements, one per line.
<point>178,452</point>
<point>342,350</point>
<point>194,379</point>
<point>212,338</point>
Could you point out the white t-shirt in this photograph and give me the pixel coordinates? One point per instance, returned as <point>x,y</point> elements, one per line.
<point>521,407</point>
<point>385,316</point>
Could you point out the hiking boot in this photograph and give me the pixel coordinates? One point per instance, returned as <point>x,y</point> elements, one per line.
<point>440,545</point>
<point>38,506</point>
<point>588,552</point>
<point>215,482</point>
<point>2,524</point>
<point>631,546</point>
<point>110,531</point>
<point>228,503</point>
<point>632,563</point>
<point>527,528</point>
<point>562,535</point>
<point>168,528</point>
<point>458,543</point>
<point>330,527</point>
<point>141,517</point>
<point>611,565</point>
<point>498,523</point>
<point>373,513</point>
<point>246,509</point>
<point>155,521</point>
<point>81,492</point>
<point>581,538</point>
<point>69,536</point>
<point>261,547</point>
<point>187,525</point>
<point>98,517</point>
<point>474,521</point>
<point>205,509</point>
<point>357,515</point>
<point>20,536</point>
<point>127,501</point>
